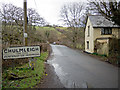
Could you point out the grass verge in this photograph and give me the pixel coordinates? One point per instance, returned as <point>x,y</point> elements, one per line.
<point>30,77</point>
<point>114,60</point>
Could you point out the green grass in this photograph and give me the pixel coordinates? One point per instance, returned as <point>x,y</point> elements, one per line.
<point>39,29</point>
<point>103,55</point>
<point>63,28</point>
<point>45,28</point>
<point>33,76</point>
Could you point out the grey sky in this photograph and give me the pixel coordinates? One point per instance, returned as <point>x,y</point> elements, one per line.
<point>49,9</point>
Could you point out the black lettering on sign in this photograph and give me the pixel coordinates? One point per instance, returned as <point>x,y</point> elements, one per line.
<point>9,50</point>
<point>21,52</point>
<point>5,51</point>
<point>37,49</point>
<point>28,49</point>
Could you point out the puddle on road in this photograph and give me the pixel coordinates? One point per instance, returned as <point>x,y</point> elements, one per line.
<point>64,77</point>
<point>59,70</point>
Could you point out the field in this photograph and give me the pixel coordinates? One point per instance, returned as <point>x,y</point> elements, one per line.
<point>47,29</point>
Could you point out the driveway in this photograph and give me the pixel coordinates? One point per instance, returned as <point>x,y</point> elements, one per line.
<point>78,70</point>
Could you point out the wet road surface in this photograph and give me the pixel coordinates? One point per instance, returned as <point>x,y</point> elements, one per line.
<point>77,70</point>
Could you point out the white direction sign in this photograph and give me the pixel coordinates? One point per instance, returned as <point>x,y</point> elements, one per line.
<point>21,52</point>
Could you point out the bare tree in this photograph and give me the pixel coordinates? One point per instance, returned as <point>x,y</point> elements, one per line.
<point>12,20</point>
<point>71,15</point>
<point>85,15</point>
<point>108,8</point>
<point>34,18</point>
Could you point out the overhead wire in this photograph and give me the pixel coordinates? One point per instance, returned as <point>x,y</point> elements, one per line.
<point>36,5</point>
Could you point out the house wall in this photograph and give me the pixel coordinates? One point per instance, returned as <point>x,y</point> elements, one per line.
<point>96,33</point>
<point>90,38</point>
<point>115,33</point>
<point>103,47</point>
<point>119,33</point>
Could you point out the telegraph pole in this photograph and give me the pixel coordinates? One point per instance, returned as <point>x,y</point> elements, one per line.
<point>25,24</point>
<point>25,29</point>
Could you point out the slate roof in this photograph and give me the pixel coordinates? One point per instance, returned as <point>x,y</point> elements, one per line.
<point>100,21</point>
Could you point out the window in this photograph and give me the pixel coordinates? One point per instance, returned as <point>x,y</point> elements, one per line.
<point>106,31</point>
<point>88,31</point>
<point>87,44</point>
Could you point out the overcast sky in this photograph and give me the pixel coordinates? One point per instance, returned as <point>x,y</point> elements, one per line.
<point>48,9</point>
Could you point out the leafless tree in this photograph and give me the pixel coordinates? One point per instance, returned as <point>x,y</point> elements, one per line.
<point>12,20</point>
<point>85,15</point>
<point>34,18</point>
<point>71,14</point>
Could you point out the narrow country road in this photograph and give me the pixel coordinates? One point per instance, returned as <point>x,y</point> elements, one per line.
<point>76,69</point>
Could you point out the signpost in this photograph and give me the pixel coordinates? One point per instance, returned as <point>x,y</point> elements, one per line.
<point>25,51</point>
<point>21,52</point>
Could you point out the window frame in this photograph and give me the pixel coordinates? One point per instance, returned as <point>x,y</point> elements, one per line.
<point>88,31</point>
<point>106,31</point>
<point>88,44</point>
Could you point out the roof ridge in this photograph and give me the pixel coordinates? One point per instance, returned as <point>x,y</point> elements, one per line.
<point>101,21</point>
<point>95,15</point>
